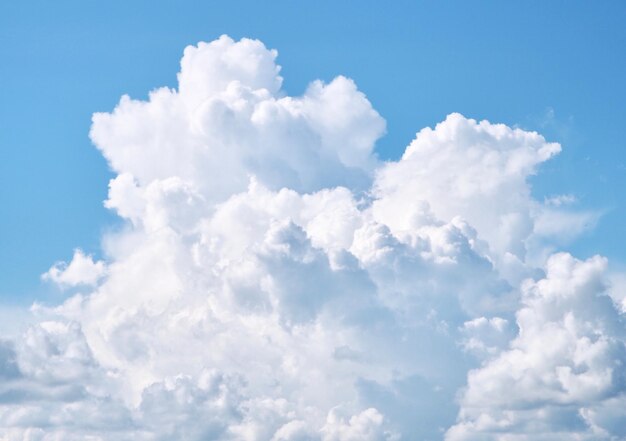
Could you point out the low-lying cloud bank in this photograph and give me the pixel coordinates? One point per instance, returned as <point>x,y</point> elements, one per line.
<point>276,281</point>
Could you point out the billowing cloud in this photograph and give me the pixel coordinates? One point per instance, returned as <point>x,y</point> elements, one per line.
<point>229,120</point>
<point>81,270</point>
<point>563,375</point>
<point>275,280</point>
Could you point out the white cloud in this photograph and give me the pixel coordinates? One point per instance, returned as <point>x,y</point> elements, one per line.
<point>229,120</point>
<point>486,337</point>
<point>82,270</point>
<point>275,281</point>
<point>476,170</point>
<point>560,200</point>
<point>366,426</point>
<point>564,368</point>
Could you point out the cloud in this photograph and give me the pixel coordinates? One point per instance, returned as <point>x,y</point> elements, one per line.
<point>365,426</point>
<point>476,170</point>
<point>564,368</point>
<point>229,120</point>
<point>275,281</point>
<point>82,270</point>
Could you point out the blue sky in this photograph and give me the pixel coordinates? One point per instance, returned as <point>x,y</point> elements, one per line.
<point>547,66</point>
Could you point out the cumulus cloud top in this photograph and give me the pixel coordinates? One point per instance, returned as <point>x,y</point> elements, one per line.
<point>229,120</point>
<point>276,281</point>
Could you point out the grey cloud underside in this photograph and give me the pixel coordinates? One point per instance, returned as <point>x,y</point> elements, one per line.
<point>276,281</point>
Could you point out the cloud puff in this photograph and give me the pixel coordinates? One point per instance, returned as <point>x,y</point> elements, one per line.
<point>471,169</point>
<point>275,281</point>
<point>229,120</point>
<point>82,270</point>
<point>564,368</point>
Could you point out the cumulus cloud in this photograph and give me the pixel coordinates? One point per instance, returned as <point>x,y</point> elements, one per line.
<point>229,120</point>
<point>471,169</point>
<point>275,280</point>
<point>82,270</point>
<point>564,368</point>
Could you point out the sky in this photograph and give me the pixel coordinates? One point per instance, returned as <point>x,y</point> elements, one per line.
<point>312,220</point>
